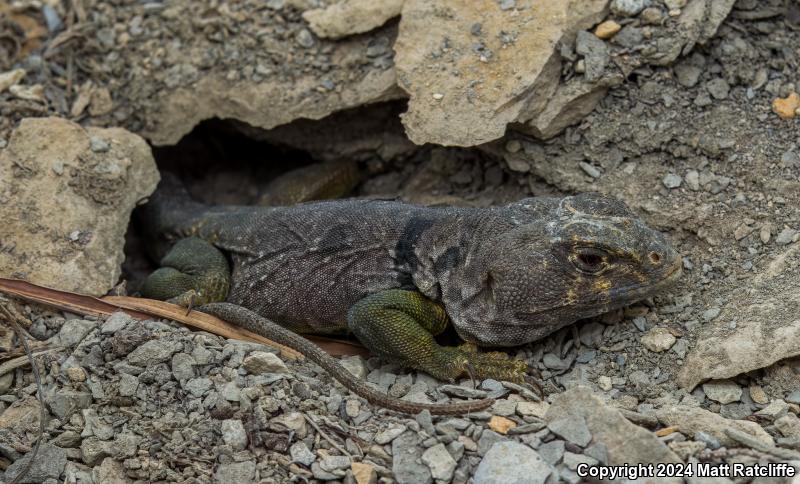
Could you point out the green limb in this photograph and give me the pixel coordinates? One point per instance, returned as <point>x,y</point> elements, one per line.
<point>400,325</point>
<point>193,272</point>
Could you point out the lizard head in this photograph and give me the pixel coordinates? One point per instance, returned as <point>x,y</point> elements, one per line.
<point>562,260</point>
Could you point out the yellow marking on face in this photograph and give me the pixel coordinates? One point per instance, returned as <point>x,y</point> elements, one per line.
<point>602,285</point>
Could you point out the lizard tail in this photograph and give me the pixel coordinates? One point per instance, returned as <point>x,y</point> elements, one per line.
<point>258,324</point>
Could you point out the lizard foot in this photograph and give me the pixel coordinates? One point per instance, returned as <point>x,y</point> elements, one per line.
<point>466,359</point>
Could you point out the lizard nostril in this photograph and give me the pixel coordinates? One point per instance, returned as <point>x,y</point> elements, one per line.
<point>655,257</point>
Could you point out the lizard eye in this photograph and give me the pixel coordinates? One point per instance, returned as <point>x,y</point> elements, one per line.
<point>589,260</point>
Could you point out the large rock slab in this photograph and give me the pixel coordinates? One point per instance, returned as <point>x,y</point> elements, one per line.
<point>66,196</point>
<point>471,68</point>
<point>358,71</point>
<point>765,314</point>
<point>349,17</point>
<point>691,420</point>
<point>625,441</point>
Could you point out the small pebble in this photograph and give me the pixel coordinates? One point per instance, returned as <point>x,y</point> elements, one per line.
<point>787,107</point>
<point>658,340</point>
<point>590,169</point>
<point>722,391</point>
<point>607,29</point>
<point>672,181</point>
<point>786,236</point>
<point>758,395</point>
<point>501,425</point>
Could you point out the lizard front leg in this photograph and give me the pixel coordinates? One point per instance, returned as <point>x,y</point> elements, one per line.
<point>400,325</point>
<point>193,272</point>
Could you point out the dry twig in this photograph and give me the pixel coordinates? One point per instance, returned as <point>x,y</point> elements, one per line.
<point>13,318</point>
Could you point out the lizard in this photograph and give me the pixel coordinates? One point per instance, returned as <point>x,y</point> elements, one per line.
<point>395,275</point>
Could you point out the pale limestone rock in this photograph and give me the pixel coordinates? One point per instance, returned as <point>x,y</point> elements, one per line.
<point>65,207</point>
<point>765,312</point>
<point>691,420</point>
<point>625,441</point>
<point>349,17</point>
<point>464,95</point>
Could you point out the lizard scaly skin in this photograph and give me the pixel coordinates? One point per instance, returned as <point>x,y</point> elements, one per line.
<point>396,275</point>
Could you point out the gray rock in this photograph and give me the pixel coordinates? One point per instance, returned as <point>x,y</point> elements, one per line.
<point>230,391</point>
<point>94,450</point>
<point>233,433</point>
<point>110,471</point>
<point>115,322</point>
<point>573,429</point>
<point>793,397</point>
<point>572,460</point>
<point>49,464</point>
<point>425,420</point>
<point>693,180</point>
<point>406,460</point>
<point>708,439</point>
<point>672,180</point>
<point>385,436</point>
<point>94,425</point>
<point>73,331</point>
<point>786,236</point>
<point>260,362</point>
<point>487,440</point>
<point>512,463</point>
<point>456,449</point>
<point>589,169</point>
<point>687,74</point>
<point>355,365</point>
<point>238,472</point>
<point>183,366</point>
<point>595,54</point>
<point>301,454</point>
<point>69,439</point>
<point>628,8</point>
<point>598,451</point>
<point>790,159</point>
<point>127,385</point>
<point>333,463</point>
<point>64,403</point>
<point>629,37</point>
<point>441,463</point>
<point>154,352</point>
<point>322,474</point>
<point>736,411</point>
<point>198,386</point>
<point>788,425</point>
<point>626,442</point>
<point>710,314</point>
<point>722,391</point>
<point>125,445</point>
<point>552,451</point>
<point>718,88</point>
<point>503,407</point>
<point>591,334</point>
<point>305,39</point>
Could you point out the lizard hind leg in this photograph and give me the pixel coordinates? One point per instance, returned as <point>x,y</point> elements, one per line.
<point>400,325</point>
<point>193,272</point>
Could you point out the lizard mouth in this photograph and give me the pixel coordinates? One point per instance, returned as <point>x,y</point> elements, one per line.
<point>635,292</point>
